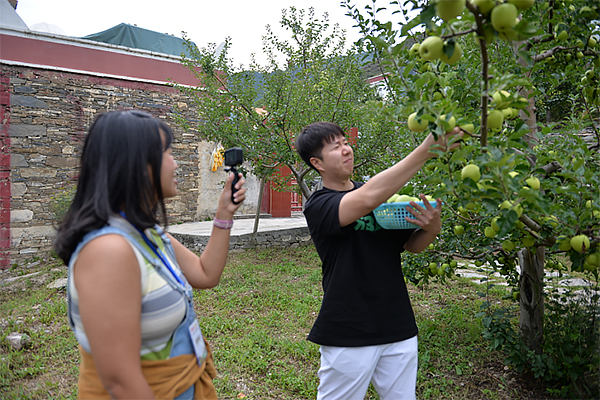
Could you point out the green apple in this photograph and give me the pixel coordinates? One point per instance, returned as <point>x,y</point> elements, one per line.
<point>564,243</point>
<point>489,232</point>
<point>495,224</point>
<point>393,198</point>
<point>505,205</point>
<point>469,128</point>
<point>522,102</point>
<point>437,96</point>
<point>416,126</point>
<point>510,113</point>
<point>431,48</point>
<point>453,263</point>
<point>508,35</point>
<point>562,36</point>
<point>450,9</point>
<point>528,241</point>
<point>508,245</point>
<point>519,210</point>
<point>551,220</point>
<point>404,198</point>
<point>431,246</point>
<point>589,267</point>
<point>485,6</point>
<point>450,123</point>
<point>592,42</point>
<point>509,206</point>
<point>456,55</point>
<point>459,230</point>
<point>589,74</point>
<point>501,98</point>
<point>580,243</point>
<point>433,267</point>
<point>593,259</point>
<point>495,120</point>
<point>504,17</point>
<point>519,224</point>
<point>522,4</point>
<point>568,57</point>
<point>470,171</point>
<point>533,182</point>
<point>580,43</point>
<point>414,50</point>
<point>588,204</point>
<point>579,55</point>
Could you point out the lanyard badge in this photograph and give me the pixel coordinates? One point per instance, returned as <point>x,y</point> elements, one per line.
<point>197,341</point>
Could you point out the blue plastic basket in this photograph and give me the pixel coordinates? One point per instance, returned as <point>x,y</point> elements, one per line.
<point>391,215</point>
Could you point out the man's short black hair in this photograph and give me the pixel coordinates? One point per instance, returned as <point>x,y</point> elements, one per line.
<point>313,137</point>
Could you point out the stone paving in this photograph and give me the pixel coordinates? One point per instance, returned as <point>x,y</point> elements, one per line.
<point>553,279</point>
<point>241,226</point>
<point>271,232</point>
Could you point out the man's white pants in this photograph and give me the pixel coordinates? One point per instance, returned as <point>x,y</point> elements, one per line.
<point>346,372</point>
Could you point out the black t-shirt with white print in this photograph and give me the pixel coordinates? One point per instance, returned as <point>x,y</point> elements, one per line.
<point>365,298</point>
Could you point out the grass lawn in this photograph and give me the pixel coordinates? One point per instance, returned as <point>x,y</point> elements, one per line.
<point>257,321</point>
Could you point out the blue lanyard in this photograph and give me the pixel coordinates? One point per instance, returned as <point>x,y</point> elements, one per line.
<point>156,250</point>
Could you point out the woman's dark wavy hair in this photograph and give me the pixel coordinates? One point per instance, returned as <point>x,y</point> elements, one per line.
<point>114,176</point>
<point>313,137</point>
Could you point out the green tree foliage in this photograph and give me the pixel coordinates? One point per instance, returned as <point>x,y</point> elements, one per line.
<point>538,184</point>
<point>309,77</point>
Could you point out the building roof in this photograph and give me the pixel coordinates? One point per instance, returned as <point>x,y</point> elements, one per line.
<point>9,17</point>
<point>140,38</point>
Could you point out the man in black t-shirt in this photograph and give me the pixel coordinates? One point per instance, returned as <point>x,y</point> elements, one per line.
<point>366,327</point>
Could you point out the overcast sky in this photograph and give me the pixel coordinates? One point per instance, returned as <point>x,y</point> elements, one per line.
<point>203,21</point>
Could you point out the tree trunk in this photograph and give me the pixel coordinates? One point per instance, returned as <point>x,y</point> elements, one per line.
<point>301,182</point>
<point>258,207</point>
<point>531,284</point>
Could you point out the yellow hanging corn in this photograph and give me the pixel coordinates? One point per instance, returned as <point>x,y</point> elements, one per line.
<point>218,159</point>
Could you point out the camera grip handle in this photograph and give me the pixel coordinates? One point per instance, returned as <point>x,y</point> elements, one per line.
<point>236,179</point>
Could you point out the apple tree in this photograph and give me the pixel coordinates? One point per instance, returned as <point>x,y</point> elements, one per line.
<point>310,76</point>
<point>521,79</point>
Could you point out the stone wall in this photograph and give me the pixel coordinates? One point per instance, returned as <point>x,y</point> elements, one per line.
<point>47,116</point>
<point>289,238</point>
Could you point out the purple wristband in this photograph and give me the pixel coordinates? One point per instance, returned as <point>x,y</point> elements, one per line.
<point>223,224</point>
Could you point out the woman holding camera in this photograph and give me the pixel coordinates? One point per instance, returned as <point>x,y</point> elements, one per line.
<point>130,283</point>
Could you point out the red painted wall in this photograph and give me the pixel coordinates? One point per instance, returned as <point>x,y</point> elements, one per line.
<point>281,202</point>
<point>80,57</point>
